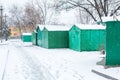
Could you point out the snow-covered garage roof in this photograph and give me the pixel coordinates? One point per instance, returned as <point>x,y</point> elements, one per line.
<point>57,27</point>
<point>26,33</point>
<point>84,26</point>
<point>112,18</point>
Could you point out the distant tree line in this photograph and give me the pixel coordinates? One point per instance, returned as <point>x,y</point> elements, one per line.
<point>42,11</point>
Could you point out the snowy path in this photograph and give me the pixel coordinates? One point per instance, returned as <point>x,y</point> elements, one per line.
<point>67,65</point>
<point>3,60</point>
<point>28,62</point>
<point>56,63</point>
<point>21,66</point>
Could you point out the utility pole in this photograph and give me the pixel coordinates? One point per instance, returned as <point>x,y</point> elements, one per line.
<point>6,30</point>
<point>5,18</point>
<point>1,11</point>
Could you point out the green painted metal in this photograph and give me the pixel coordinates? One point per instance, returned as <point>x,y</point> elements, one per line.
<point>74,38</point>
<point>34,38</point>
<point>45,38</point>
<point>27,38</point>
<point>58,39</point>
<point>54,39</point>
<point>86,44</point>
<point>92,40</point>
<point>39,36</point>
<point>113,43</point>
<point>86,39</point>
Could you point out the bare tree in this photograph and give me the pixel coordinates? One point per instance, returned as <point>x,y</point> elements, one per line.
<point>97,8</point>
<point>38,12</point>
<point>27,17</point>
<point>43,8</point>
<point>32,15</point>
<point>47,10</point>
<point>82,16</point>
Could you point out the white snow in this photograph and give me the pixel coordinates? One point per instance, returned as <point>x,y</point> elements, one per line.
<point>112,18</point>
<point>28,62</point>
<point>54,27</point>
<point>26,33</point>
<point>86,26</point>
<point>57,27</point>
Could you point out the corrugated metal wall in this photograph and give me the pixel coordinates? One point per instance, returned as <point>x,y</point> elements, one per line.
<point>39,37</point>
<point>74,38</point>
<point>54,39</point>
<point>86,40</point>
<point>102,40</point>
<point>34,38</point>
<point>92,40</point>
<point>58,39</point>
<point>45,38</point>
<point>113,43</point>
<point>27,38</point>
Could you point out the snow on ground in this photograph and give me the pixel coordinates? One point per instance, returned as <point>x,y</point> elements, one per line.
<point>28,62</point>
<point>3,57</point>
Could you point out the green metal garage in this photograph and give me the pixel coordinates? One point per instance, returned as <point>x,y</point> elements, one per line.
<point>39,34</point>
<point>34,38</point>
<point>87,37</point>
<point>27,37</point>
<point>113,43</point>
<point>55,36</point>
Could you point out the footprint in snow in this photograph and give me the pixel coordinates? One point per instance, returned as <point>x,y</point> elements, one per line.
<point>57,74</point>
<point>77,75</point>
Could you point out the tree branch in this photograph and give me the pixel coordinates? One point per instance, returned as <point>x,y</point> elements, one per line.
<point>41,10</point>
<point>86,9</point>
<point>105,7</point>
<point>118,8</point>
<point>98,9</point>
<point>91,3</point>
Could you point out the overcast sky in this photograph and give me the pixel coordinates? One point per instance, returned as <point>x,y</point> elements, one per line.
<point>8,3</point>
